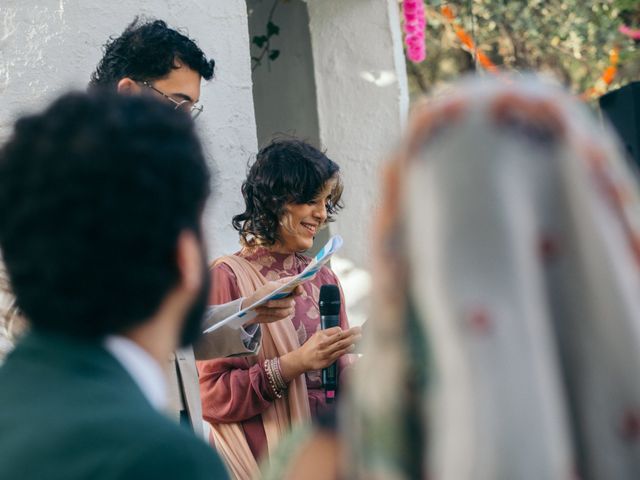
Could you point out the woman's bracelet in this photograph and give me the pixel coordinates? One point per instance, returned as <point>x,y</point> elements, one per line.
<point>271,377</point>
<point>280,383</point>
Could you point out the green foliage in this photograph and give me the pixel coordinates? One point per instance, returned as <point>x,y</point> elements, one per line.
<point>273,54</point>
<point>260,40</point>
<point>569,39</point>
<point>272,29</point>
<point>627,4</point>
<point>263,42</point>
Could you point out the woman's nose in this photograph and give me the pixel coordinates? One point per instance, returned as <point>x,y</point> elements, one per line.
<point>321,212</point>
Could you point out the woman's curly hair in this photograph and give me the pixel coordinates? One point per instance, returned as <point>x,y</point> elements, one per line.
<point>285,171</point>
<point>148,51</point>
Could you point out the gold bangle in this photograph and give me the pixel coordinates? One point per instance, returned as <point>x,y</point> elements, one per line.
<point>270,377</point>
<point>275,367</point>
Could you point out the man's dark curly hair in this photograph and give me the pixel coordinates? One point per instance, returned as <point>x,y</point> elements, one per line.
<point>285,171</point>
<point>148,51</point>
<point>94,193</point>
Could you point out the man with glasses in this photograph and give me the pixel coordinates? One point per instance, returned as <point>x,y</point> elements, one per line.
<point>184,104</point>
<point>151,58</point>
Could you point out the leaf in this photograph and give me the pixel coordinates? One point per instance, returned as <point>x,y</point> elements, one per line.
<point>272,29</point>
<point>273,54</point>
<point>259,40</point>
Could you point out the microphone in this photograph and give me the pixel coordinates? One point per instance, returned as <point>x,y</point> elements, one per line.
<point>329,304</point>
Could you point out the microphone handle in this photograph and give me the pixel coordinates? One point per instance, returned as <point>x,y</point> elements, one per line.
<point>330,373</point>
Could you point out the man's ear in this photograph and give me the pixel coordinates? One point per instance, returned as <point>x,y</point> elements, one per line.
<point>128,86</point>
<point>190,262</point>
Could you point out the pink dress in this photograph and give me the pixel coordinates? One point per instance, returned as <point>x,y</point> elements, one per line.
<point>236,389</point>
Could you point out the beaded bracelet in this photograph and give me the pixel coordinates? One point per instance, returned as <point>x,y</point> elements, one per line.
<point>278,374</point>
<point>270,377</point>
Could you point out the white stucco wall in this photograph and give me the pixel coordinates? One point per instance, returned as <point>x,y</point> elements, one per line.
<point>50,46</point>
<point>362,101</point>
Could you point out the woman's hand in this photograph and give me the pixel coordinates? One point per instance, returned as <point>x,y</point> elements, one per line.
<point>273,310</point>
<point>321,350</point>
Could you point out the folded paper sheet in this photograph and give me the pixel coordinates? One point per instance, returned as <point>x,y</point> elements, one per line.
<point>246,314</point>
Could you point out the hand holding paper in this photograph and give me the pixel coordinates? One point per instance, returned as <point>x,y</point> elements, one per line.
<point>248,314</point>
<point>273,310</point>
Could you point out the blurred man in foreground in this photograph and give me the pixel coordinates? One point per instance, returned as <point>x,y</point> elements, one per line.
<point>100,228</point>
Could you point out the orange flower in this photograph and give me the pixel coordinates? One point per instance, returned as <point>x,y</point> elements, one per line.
<point>609,74</point>
<point>465,39</point>
<point>447,12</point>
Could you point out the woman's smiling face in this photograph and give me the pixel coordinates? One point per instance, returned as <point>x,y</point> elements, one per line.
<point>302,221</point>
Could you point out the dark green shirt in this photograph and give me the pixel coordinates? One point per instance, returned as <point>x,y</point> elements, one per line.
<point>69,410</point>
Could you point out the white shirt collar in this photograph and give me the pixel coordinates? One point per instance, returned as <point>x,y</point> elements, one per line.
<point>144,370</point>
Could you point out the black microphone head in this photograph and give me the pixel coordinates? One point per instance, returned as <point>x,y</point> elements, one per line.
<point>329,302</point>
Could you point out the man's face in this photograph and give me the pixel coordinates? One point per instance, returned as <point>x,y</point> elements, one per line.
<point>192,327</point>
<point>180,88</point>
<point>181,84</point>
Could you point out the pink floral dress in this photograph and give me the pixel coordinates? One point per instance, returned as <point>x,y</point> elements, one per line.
<point>237,389</point>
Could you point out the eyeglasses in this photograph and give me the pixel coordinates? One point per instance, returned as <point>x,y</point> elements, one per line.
<point>184,105</point>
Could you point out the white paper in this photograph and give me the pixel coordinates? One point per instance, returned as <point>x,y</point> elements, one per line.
<point>245,315</point>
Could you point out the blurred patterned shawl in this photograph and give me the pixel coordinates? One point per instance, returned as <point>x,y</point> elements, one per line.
<point>505,337</point>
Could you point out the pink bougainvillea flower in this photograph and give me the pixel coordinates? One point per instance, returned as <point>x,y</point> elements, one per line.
<point>414,26</point>
<point>410,18</point>
<point>629,32</point>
